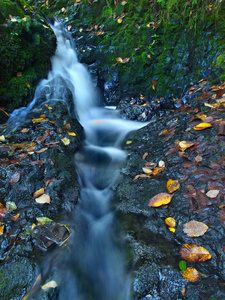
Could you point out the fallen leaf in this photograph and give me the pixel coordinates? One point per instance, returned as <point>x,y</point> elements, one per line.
<point>142,176</point>
<point>129,142</point>
<point>161,163</point>
<point>10,206</point>
<point>2,229</point>
<point>194,253</point>
<point>212,193</point>
<point>172,229</point>
<point>38,120</point>
<point>43,199</point>
<point>172,185</point>
<point>24,130</point>
<point>147,171</point>
<point>171,222</point>
<point>67,126</point>
<point>195,228</point>
<point>145,155</point>
<point>191,274</point>
<point>50,284</point>
<point>160,199</point>
<point>72,133</point>
<point>119,20</point>
<point>41,150</point>
<point>14,218</point>
<point>154,84</point>
<point>15,178</point>
<point>202,126</point>
<point>38,193</point>
<point>65,141</point>
<point>2,138</point>
<point>3,211</point>
<point>185,145</point>
<point>157,170</point>
<point>182,265</point>
<point>198,158</point>
<point>43,220</point>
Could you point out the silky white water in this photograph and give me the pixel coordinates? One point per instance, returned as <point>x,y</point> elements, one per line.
<point>93,265</point>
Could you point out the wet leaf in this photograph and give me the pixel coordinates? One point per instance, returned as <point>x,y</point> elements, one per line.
<point>198,158</point>
<point>72,133</point>
<point>172,185</point>
<point>154,84</point>
<point>119,20</point>
<point>145,155</point>
<point>10,206</point>
<point>171,222</point>
<point>191,274</point>
<point>2,229</point>
<point>147,170</point>
<point>2,138</point>
<point>43,199</point>
<point>194,253</point>
<point>41,150</point>
<point>160,199</point>
<point>50,284</point>
<point>142,176</point>
<point>67,126</point>
<point>172,229</point>
<point>65,141</point>
<point>38,120</point>
<point>14,218</point>
<point>24,130</point>
<point>3,211</point>
<point>182,265</point>
<point>43,220</point>
<point>15,178</point>
<point>157,170</point>
<point>195,228</point>
<point>39,193</point>
<point>185,145</point>
<point>202,126</point>
<point>212,193</point>
<point>48,107</point>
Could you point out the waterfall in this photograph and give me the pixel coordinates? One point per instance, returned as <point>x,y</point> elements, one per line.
<point>94,265</point>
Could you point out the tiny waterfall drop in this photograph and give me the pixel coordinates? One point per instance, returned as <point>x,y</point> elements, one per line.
<point>93,265</point>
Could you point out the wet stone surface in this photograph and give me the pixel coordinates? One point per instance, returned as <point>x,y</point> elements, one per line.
<point>199,169</point>
<point>38,154</point>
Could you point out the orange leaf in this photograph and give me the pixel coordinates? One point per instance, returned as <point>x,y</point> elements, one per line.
<point>38,193</point>
<point>191,274</point>
<point>3,211</point>
<point>141,176</point>
<point>172,185</point>
<point>24,130</point>
<point>195,228</point>
<point>202,126</point>
<point>160,199</point>
<point>14,218</point>
<point>145,155</point>
<point>154,84</point>
<point>2,229</point>
<point>171,222</point>
<point>194,253</point>
<point>157,170</point>
<point>184,145</point>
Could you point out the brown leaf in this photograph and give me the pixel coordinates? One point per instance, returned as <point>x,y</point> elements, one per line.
<point>141,176</point>
<point>145,155</point>
<point>172,185</point>
<point>198,158</point>
<point>37,162</point>
<point>3,211</point>
<point>160,199</point>
<point>41,150</point>
<point>173,149</point>
<point>15,178</point>
<point>195,228</point>
<point>14,218</point>
<point>202,199</point>
<point>191,274</point>
<point>24,130</point>
<point>194,253</point>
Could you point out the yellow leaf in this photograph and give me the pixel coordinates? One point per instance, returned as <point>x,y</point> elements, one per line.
<point>184,145</point>
<point>201,116</point>
<point>191,274</point>
<point>157,170</point>
<point>171,222</point>
<point>202,126</point>
<point>43,199</point>
<point>172,185</point>
<point>50,284</point>
<point>195,228</point>
<point>65,141</point>
<point>14,218</point>
<point>194,253</point>
<point>172,229</point>
<point>129,142</point>
<point>38,193</point>
<point>160,199</point>
<point>38,120</point>
<point>27,84</point>
<point>71,133</point>
<point>2,229</point>
<point>119,20</point>
<point>2,138</point>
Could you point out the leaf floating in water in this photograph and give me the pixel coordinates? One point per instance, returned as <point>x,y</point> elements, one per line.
<point>65,141</point>
<point>160,199</point>
<point>43,199</point>
<point>50,284</point>
<point>195,228</point>
<point>172,185</point>
<point>194,253</point>
<point>202,126</point>
<point>191,274</point>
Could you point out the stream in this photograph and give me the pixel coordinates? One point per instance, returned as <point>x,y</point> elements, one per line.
<point>93,265</point>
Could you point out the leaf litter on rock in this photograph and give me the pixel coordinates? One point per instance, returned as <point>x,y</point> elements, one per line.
<point>160,199</point>
<point>194,228</point>
<point>194,253</point>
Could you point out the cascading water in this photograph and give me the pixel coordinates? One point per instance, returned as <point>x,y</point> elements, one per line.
<point>93,266</point>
